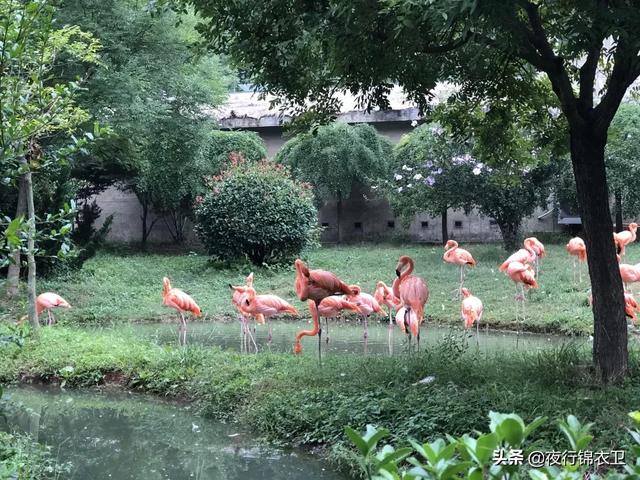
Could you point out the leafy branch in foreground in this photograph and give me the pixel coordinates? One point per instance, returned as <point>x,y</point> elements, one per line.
<point>502,453</point>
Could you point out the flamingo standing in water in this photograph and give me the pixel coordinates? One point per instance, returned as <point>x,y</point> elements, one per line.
<point>460,257</point>
<point>332,307</point>
<point>471,311</point>
<point>578,250</point>
<point>176,298</point>
<point>316,285</point>
<point>236,300</point>
<point>624,238</point>
<point>629,274</point>
<point>538,249</point>
<point>367,305</point>
<point>384,296</point>
<point>522,275</point>
<point>265,305</point>
<point>413,294</point>
<point>526,255</point>
<point>405,322</point>
<point>47,301</point>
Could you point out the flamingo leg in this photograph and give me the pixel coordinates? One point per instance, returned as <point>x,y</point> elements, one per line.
<point>461,281</point>
<point>269,336</point>
<point>478,332</point>
<point>326,326</point>
<point>366,333</point>
<point>390,332</point>
<point>241,333</point>
<point>580,272</point>
<point>50,315</point>
<point>319,339</point>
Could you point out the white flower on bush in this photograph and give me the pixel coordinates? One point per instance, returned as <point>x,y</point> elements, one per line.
<point>407,168</point>
<point>397,176</point>
<point>430,181</point>
<point>554,112</point>
<point>485,107</point>
<point>414,123</point>
<point>409,185</point>
<point>437,130</point>
<point>417,176</point>
<point>477,170</point>
<point>399,189</point>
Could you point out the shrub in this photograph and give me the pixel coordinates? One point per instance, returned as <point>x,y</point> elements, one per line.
<point>256,210</point>
<point>224,143</point>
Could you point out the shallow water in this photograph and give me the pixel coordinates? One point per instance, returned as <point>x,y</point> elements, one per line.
<point>119,435</point>
<point>345,337</point>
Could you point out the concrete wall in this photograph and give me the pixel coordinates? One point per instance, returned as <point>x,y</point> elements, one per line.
<point>364,215</point>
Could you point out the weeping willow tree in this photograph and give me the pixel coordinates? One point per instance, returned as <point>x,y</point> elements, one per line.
<point>334,157</point>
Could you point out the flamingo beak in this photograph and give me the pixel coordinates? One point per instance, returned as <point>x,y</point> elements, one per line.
<point>397,272</point>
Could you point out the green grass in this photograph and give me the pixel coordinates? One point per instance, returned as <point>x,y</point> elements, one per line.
<point>118,288</point>
<point>292,400</point>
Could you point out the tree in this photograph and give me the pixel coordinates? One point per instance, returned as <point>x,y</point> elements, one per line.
<point>35,108</point>
<point>151,89</point>
<point>223,143</point>
<point>430,169</point>
<point>623,162</point>
<point>308,52</point>
<point>175,170</point>
<point>336,156</point>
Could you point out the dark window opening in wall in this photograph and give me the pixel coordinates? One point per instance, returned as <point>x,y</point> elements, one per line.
<point>493,223</point>
<point>424,224</point>
<point>391,224</point>
<point>457,224</point>
<point>325,224</point>
<point>357,225</point>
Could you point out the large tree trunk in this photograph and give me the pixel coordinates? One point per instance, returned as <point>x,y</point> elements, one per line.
<point>13,273</point>
<point>339,217</point>
<point>145,232</point>
<point>618,206</point>
<point>31,261</point>
<point>445,226</point>
<point>610,325</point>
<point>510,235</point>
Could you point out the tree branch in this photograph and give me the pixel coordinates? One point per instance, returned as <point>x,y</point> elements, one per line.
<point>626,68</point>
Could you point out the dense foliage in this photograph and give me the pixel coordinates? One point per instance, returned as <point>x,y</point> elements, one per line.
<point>505,452</point>
<point>151,90</point>
<point>223,143</point>
<point>258,211</point>
<point>335,157</point>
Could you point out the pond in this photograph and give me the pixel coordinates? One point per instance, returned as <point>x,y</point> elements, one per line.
<point>120,435</point>
<point>344,337</point>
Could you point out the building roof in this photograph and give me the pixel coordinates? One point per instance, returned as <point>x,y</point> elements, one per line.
<point>253,110</point>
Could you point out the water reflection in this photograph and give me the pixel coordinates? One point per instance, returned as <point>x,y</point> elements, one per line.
<point>117,435</point>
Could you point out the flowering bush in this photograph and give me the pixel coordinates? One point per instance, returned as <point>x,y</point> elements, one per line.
<point>256,210</point>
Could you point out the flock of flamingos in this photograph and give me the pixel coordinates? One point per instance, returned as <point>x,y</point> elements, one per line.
<point>328,296</point>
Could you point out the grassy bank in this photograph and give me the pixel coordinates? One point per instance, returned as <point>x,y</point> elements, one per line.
<point>118,288</point>
<point>292,400</point>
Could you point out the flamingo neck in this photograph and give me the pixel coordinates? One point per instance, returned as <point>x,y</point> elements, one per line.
<point>408,271</point>
<point>297,348</point>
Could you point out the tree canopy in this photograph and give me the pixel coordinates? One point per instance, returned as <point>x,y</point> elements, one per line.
<point>336,156</point>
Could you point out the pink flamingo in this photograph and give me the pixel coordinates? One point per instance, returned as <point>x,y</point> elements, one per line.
<point>406,322</point>
<point>47,301</point>
<point>236,300</point>
<point>384,296</point>
<point>578,250</point>
<point>413,293</point>
<point>367,305</point>
<point>176,298</point>
<point>313,308</point>
<point>630,306</point>
<point>332,307</point>
<point>629,274</point>
<point>538,249</point>
<point>624,238</point>
<point>460,257</point>
<point>524,255</point>
<point>316,285</point>
<point>471,311</point>
<point>522,275</point>
<point>265,305</point>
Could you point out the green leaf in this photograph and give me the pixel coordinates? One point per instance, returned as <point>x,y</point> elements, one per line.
<point>357,440</point>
